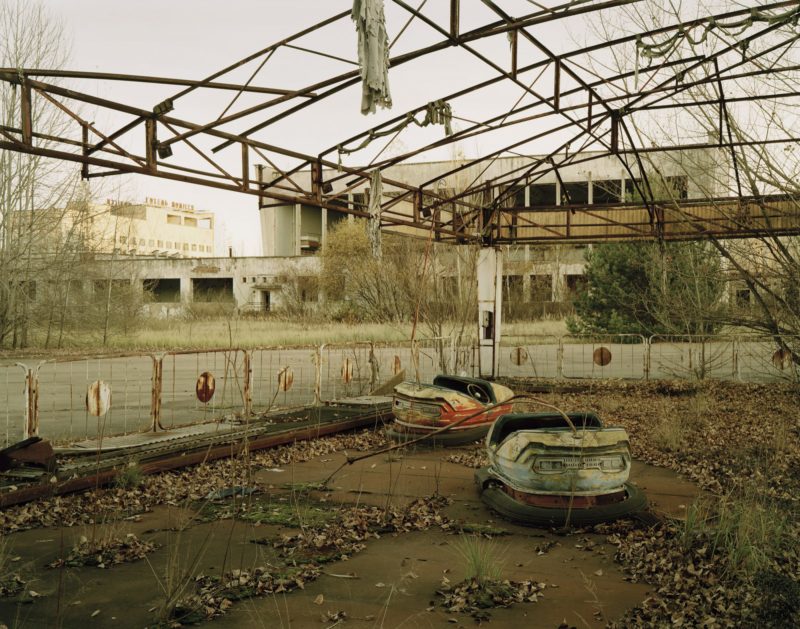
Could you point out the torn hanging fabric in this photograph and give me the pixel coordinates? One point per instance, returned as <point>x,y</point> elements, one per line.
<point>374,223</point>
<point>373,54</point>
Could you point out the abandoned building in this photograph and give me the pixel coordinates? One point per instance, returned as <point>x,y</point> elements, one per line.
<point>167,248</point>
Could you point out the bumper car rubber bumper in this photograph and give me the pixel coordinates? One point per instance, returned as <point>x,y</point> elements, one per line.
<point>448,438</point>
<point>493,496</point>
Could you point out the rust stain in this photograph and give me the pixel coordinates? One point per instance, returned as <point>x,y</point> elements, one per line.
<point>601,356</point>
<point>285,378</point>
<point>397,366</point>
<point>347,371</point>
<point>519,356</point>
<point>782,358</point>
<point>98,398</point>
<point>205,387</point>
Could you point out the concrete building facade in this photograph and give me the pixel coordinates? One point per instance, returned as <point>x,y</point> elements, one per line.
<point>154,228</point>
<point>294,230</point>
<point>167,248</point>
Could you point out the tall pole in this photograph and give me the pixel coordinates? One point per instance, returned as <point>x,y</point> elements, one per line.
<point>490,299</point>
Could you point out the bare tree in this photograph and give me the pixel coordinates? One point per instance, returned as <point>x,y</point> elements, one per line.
<point>34,191</point>
<point>751,115</point>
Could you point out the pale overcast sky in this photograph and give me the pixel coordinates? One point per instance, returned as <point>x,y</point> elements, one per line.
<point>194,38</point>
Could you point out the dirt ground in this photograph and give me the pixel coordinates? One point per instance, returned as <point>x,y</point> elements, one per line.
<point>391,583</point>
<point>376,546</point>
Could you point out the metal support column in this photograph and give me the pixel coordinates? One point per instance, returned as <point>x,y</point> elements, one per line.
<point>490,299</point>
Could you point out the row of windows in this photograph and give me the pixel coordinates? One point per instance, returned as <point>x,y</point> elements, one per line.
<point>254,279</point>
<point>668,188</point>
<point>180,246</point>
<point>602,191</point>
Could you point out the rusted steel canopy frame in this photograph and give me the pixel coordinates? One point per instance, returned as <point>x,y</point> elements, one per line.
<point>351,78</point>
<point>677,89</point>
<point>268,49</point>
<point>715,56</point>
<point>67,93</point>
<point>225,173</point>
<point>671,88</point>
<point>89,126</point>
<point>708,80</point>
<point>661,87</point>
<point>723,110</point>
<point>657,30</point>
<point>156,80</point>
<point>484,127</point>
<point>131,169</point>
<point>743,230</point>
<point>472,51</point>
<point>592,96</point>
<point>562,58</point>
<point>506,75</point>
<point>672,93</point>
<point>574,159</point>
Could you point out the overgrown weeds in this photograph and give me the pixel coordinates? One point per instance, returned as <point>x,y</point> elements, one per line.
<point>743,530</point>
<point>105,551</point>
<point>483,558</point>
<point>11,583</point>
<point>669,430</point>
<point>130,476</point>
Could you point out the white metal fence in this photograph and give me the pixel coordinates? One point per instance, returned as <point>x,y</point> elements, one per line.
<point>160,391</point>
<point>635,357</point>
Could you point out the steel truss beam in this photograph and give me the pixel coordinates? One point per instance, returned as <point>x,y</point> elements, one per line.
<point>596,112</point>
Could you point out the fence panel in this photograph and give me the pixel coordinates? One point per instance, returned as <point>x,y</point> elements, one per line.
<point>63,384</point>
<point>347,371</point>
<point>534,356</point>
<point>688,357</point>
<point>760,359</point>
<point>180,373</point>
<point>275,366</point>
<point>606,356</point>
<point>12,396</point>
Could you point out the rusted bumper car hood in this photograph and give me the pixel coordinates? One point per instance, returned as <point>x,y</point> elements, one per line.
<point>540,453</point>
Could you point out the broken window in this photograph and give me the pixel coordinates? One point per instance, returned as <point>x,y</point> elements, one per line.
<point>606,191</point>
<point>743,297</point>
<point>212,289</point>
<point>542,194</point>
<point>575,193</point>
<point>678,186</point>
<point>541,288</point>
<point>164,290</point>
<point>632,194</point>
<point>575,284</point>
<point>514,196</point>
<point>512,288</point>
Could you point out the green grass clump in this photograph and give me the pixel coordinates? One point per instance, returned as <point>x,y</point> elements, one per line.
<point>742,530</point>
<point>482,557</point>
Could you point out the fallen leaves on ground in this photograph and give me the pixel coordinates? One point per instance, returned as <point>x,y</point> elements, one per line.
<point>738,442</point>
<point>105,552</point>
<point>477,598</point>
<point>474,457</point>
<point>176,487</point>
<point>302,553</point>
<point>11,585</point>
